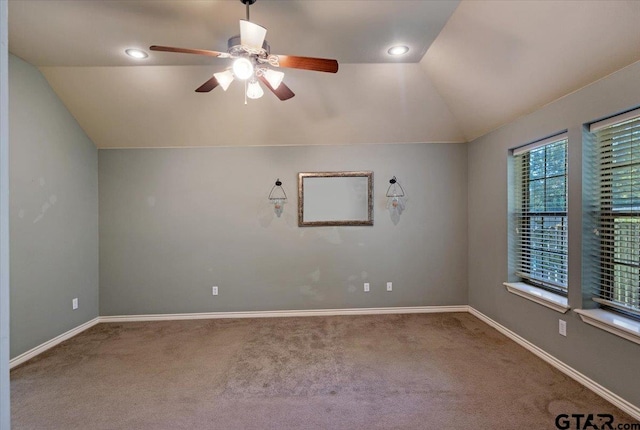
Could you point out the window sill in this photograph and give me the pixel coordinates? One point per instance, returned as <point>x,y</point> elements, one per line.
<point>612,322</point>
<point>538,295</point>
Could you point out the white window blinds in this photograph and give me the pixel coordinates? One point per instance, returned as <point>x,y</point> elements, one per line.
<point>618,214</point>
<point>540,213</point>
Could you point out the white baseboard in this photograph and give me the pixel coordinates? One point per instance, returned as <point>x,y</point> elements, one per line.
<point>286,313</point>
<point>51,343</point>
<point>212,315</point>
<point>603,392</point>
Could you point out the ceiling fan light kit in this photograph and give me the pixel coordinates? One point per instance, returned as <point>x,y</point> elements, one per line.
<point>254,63</point>
<point>242,68</point>
<point>254,90</point>
<point>224,78</point>
<point>274,77</point>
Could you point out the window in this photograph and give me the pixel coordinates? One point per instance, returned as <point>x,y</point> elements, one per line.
<point>617,217</point>
<point>540,214</point>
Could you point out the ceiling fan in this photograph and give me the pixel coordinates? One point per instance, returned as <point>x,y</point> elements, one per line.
<point>254,62</point>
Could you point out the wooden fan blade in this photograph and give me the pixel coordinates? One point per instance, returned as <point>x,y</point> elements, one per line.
<point>283,92</point>
<point>188,51</point>
<point>308,63</point>
<point>208,86</point>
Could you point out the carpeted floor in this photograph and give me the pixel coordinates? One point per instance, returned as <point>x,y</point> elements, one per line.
<point>418,371</point>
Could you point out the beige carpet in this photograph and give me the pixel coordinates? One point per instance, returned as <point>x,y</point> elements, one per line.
<point>420,371</point>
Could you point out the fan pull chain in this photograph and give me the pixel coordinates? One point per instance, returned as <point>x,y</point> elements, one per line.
<point>245,90</point>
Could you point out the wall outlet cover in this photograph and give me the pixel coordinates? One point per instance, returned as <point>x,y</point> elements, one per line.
<point>389,286</point>
<point>562,327</point>
<point>366,287</point>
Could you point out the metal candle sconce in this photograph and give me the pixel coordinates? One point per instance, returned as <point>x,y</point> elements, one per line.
<point>278,197</point>
<point>395,199</point>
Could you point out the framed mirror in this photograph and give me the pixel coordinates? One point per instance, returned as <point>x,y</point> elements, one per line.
<point>335,199</point>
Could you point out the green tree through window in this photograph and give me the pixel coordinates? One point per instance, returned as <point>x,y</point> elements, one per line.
<point>541,215</point>
<point>618,219</point>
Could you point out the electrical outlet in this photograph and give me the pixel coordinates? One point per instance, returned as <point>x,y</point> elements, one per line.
<point>74,303</point>
<point>562,327</point>
<point>389,286</point>
<point>366,287</point>
<point>214,291</point>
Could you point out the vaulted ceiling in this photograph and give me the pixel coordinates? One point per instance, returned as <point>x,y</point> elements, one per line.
<point>472,66</point>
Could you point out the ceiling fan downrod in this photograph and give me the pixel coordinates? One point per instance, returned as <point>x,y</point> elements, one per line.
<point>248,3</point>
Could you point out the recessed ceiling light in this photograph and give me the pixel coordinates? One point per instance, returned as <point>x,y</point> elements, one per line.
<point>136,53</point>
<point>398,50</point>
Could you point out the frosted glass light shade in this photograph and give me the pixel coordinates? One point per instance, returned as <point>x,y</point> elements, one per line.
<point>274,78</point>
<point>254,90</point>
<point>252,35</point>
<point>396,204</point>
<point>242,68</point>
<point>278,206</point>
<point>224,78</point>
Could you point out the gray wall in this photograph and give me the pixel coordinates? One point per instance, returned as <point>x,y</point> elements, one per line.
<point>606,358</point>
<point>5,413</point>
<point>175,222</point>
<point>53,213</point>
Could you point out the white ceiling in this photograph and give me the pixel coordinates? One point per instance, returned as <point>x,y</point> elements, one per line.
<point>498,60</point>
<point>486,63</point>
<point>96,32</point>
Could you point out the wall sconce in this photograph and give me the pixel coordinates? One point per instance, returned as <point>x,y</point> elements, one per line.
<point>278,197</point>
<point>395,199</point>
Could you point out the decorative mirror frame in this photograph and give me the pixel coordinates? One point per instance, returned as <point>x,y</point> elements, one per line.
<point>343,222</point>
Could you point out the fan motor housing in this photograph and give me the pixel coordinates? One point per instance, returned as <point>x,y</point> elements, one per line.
<point>235,47</point>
